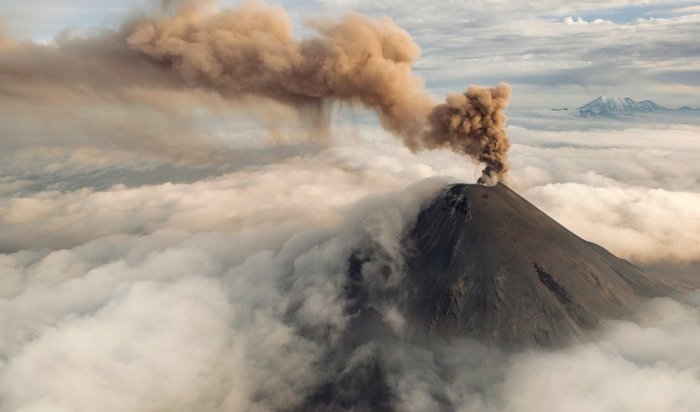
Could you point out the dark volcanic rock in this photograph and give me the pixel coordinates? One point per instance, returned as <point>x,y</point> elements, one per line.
<point>480,262</point>
<point>486,263</point>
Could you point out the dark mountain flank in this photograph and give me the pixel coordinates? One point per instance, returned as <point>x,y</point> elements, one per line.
<point>487,263</point>
<point>479,262</point>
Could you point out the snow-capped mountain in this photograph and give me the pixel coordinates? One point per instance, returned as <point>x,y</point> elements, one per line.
<point>616,105</point>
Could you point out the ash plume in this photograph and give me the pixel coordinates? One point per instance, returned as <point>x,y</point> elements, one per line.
<point>473,123</point>
<point>251,51</point>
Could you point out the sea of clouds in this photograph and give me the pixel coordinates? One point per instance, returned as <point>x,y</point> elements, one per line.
<point>161,251</point>
<point>144,280</point>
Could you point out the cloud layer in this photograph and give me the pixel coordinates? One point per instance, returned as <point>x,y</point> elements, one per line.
<point>233,284</point>
<point>160,250</point>
<point>240,308</point>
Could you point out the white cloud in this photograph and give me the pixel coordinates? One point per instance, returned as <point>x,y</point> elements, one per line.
<point>641,224</point>
<point>159,271</point>
<point>651,365</point>
<point>210,310</point>
<point>232,285</point>
<point>570,20</point>
<point>634,191</point>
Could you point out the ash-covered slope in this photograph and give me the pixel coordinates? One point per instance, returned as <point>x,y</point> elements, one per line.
<point>479,262</point>
<point>487,263</point>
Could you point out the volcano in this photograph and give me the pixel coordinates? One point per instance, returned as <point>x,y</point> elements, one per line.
<point>486,263</point>
<point>480,263</point>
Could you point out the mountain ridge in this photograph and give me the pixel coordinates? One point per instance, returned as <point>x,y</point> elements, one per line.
<point>612,106</point>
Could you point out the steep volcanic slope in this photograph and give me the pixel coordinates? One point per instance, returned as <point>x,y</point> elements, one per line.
<point>480,262</point>
<point>487,263</point>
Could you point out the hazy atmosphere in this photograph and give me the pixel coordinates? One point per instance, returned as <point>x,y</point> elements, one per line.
<point>183,184</point>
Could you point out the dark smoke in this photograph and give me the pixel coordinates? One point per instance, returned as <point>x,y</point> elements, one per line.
<point>473,123</point>
<point>251,51</point>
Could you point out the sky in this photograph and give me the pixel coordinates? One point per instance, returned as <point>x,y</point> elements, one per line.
<point>552,53</point>
<point>167,246</point>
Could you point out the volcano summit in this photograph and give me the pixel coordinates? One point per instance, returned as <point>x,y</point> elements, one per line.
<point>487,263</point>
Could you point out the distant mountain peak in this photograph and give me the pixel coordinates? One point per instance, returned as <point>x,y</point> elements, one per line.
<point>604,105</point>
